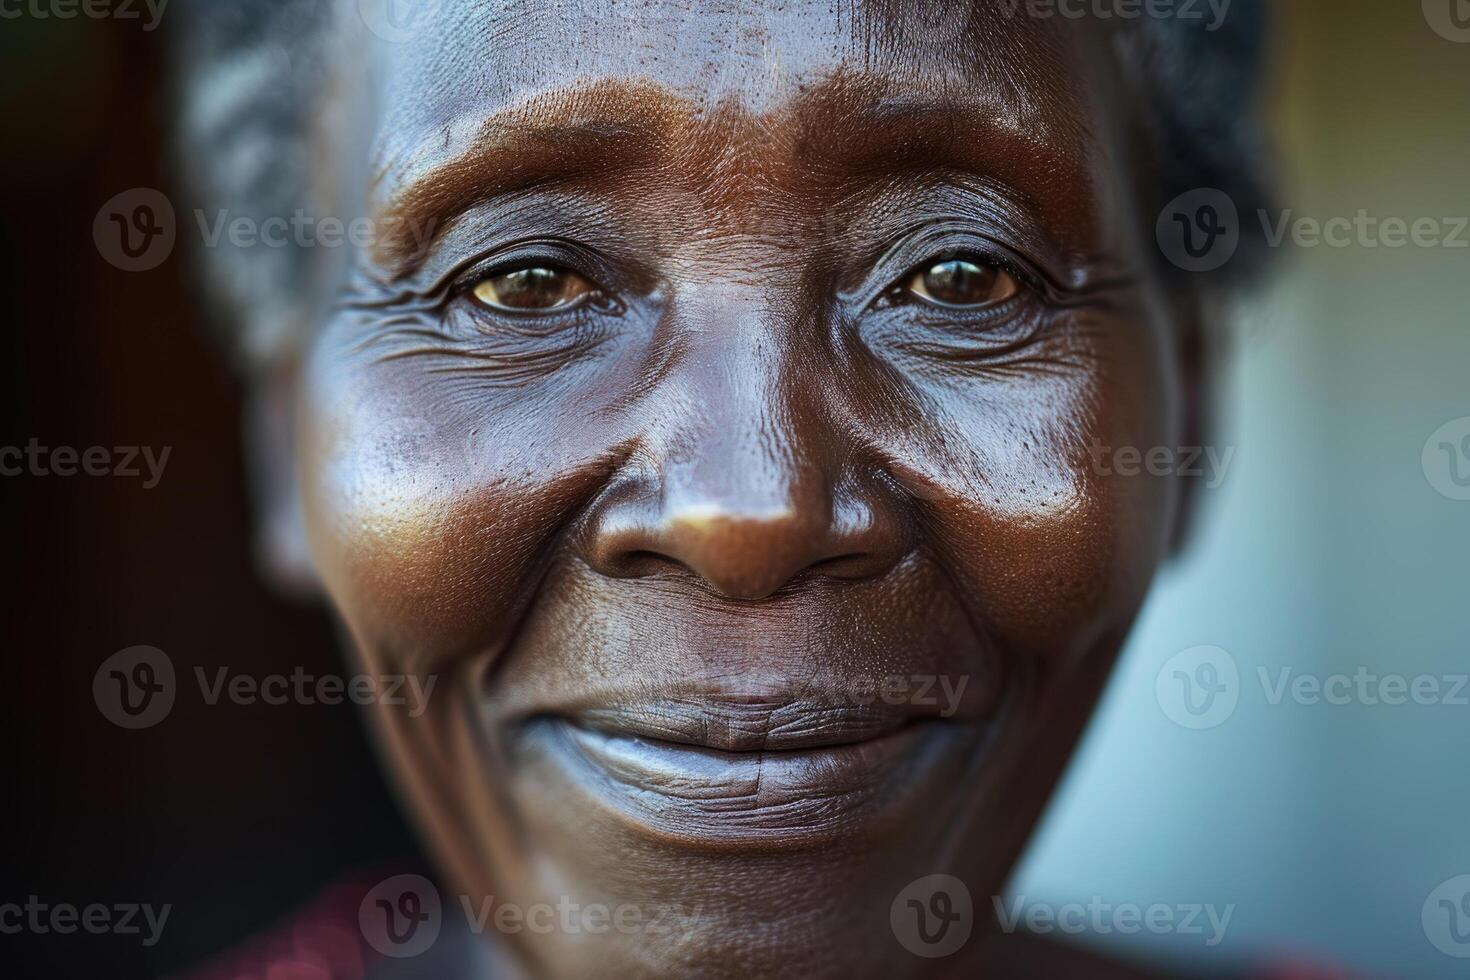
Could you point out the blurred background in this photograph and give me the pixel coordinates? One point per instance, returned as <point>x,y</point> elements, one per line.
<point>1325,549</point>
<point>1333,544</point>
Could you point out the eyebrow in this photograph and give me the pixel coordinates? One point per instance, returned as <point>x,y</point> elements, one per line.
<point>550,139</point>
<point>849,128</point>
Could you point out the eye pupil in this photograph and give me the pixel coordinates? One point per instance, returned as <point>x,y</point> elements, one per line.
<point>960,283</point>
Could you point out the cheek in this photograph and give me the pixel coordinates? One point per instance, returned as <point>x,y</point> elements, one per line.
<point>1055,547</point>
<point>430,498</point>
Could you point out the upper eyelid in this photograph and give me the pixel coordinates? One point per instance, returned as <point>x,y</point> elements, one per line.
<point>941,240</point>
<point>527,254</point>
<point>1016,270</point>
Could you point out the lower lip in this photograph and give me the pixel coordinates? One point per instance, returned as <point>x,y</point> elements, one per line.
<point>707,797</point>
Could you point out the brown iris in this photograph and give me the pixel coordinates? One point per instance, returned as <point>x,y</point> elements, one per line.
<point>961,283</point>
<point>534,289</point>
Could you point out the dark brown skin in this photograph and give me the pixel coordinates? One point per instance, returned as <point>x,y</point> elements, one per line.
<point>846,293</point>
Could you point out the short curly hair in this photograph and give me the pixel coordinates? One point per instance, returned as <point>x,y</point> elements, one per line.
<point>251,76</point>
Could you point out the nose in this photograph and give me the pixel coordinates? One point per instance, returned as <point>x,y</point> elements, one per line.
<point>745,482</point>
<point>747,536</point>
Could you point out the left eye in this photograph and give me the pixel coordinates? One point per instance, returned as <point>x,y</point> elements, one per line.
<point>959,284</point>
<point>534,289</point>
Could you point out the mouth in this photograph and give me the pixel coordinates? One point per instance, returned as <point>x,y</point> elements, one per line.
<point>839,716</point>
<point>744,773</point>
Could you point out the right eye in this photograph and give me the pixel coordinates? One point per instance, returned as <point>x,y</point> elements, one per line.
<point>960,284</point>
<point>535,289</point>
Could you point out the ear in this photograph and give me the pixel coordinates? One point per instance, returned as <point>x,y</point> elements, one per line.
<point>281,550</point>
<point>1198,355</point>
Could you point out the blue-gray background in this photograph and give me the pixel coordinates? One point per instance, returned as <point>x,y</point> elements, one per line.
<point>1325,549</point>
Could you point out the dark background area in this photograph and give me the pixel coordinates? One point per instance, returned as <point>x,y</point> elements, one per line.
<point>233,814</point>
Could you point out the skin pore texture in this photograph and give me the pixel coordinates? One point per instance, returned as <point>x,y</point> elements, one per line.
<point>820,310</point>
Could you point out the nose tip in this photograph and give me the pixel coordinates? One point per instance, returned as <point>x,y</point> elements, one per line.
<point>744,552</point>
<point>741,555</point>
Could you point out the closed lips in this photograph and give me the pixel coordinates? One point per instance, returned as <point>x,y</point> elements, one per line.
<point>735,773</point>
<point>747,725</point>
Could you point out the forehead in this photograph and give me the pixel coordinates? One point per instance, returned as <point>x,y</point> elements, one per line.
<point>470,63</point>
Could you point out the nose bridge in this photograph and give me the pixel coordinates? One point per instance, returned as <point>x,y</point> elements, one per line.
<point>746,443</point>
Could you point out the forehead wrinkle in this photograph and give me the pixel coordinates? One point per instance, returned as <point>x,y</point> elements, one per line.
<point>849,123</point>
<point>759,54</point>
<point>760,50</point>
<point>844,110</point>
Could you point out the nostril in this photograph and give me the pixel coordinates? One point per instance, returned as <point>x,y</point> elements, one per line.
<point>643,562</point>
<point>850,565</point>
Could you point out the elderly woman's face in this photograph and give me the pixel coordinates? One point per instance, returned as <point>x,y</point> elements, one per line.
<point>730,453</point>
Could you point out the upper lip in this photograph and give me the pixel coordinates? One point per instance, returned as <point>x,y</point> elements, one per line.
<point>748,724</point>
